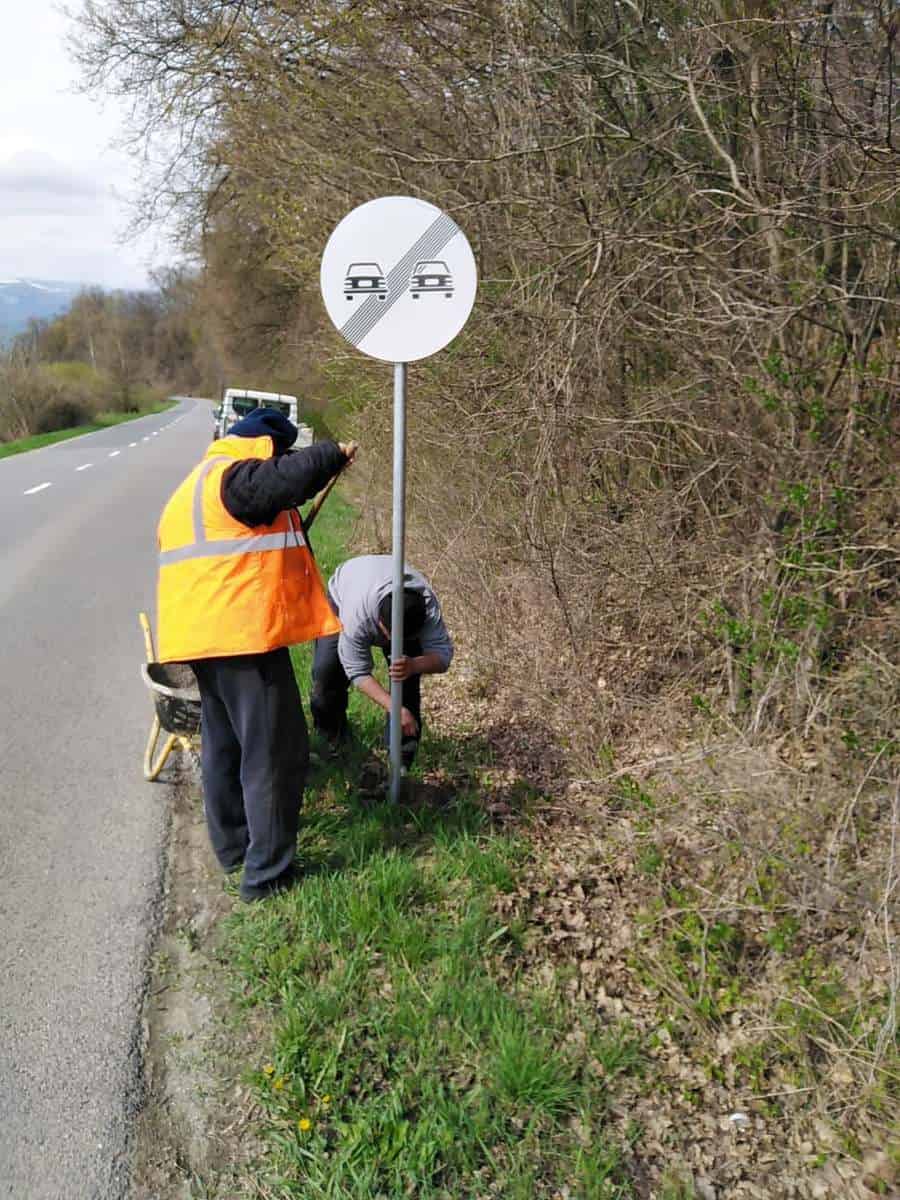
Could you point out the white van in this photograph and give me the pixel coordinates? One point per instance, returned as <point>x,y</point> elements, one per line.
<point>237,402</point>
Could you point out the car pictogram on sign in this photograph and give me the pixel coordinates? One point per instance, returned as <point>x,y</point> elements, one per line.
<point>365,279</point>
<point>431,276</point>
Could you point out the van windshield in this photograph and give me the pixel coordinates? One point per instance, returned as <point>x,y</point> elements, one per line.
<point>245,404</point>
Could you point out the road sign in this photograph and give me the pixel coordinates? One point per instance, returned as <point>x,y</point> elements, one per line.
<point>398,279</point>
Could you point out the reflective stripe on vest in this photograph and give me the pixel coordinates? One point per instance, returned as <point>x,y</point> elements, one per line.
<point>203,547</point>
<point>224,588</point>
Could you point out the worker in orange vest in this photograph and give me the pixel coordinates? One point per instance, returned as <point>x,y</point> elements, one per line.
<point>238,585</point>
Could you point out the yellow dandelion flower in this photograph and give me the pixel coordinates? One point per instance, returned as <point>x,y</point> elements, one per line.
<point>268,1069</point>
<point>304,1124</point>
<point>278,1084</point>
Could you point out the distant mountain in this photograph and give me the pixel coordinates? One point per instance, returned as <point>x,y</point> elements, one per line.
<point>22,299</point>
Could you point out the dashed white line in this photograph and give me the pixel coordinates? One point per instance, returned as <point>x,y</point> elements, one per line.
<point>145,439</point>
<point>113,453</point>
<point>130,444</point>
<point>39,488</point>
<point>84,466</point>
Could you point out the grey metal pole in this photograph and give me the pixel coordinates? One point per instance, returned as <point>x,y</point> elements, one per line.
<point>399,535</point>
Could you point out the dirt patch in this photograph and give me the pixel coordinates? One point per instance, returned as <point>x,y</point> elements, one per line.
<point>722,1115</point>
<point>729,903</point>
<point>193,1134</point>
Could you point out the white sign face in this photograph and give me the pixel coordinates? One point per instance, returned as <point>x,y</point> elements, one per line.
<point>398,279</point>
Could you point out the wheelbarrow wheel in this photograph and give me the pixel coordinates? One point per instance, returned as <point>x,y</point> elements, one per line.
<point>151,768</point>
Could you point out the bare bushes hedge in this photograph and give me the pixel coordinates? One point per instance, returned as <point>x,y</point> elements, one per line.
<point>42,398</point>
<point>46,397</point>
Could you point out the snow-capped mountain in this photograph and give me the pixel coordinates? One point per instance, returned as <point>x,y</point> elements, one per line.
<point>22,299</point>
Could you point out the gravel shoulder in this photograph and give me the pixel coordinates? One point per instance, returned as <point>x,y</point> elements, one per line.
<point>193,1131</point>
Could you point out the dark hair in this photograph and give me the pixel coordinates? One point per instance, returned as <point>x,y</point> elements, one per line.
<point>413,612</point>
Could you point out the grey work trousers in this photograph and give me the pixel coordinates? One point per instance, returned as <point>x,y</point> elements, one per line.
<point>330,688</point>
<point>254,755</point>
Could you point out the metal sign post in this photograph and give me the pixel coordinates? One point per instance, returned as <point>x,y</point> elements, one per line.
<point>398,280</point>
<point>399,542</point>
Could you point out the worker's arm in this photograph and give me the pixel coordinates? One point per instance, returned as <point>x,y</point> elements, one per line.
<point>256,490</point>
<point>420,664</point>
<point>355,653</point>
<point>369,686</point>
<point>437,648</point>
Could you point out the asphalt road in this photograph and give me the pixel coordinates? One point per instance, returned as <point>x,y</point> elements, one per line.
<point>81,833</point>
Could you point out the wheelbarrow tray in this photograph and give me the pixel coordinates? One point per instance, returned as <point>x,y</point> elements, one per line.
<point>176,696</point>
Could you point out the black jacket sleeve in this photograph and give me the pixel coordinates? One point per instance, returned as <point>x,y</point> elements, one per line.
<point>256,490</point>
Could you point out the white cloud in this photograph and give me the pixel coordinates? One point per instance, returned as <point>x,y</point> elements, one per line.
<point>32,173</point>
<point>63,190</point>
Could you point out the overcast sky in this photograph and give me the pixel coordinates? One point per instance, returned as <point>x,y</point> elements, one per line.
<point>62,188</point>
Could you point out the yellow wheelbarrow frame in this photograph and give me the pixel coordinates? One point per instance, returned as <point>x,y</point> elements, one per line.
<point>176,700</point>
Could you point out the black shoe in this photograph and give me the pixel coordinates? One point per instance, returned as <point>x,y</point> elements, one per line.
<point>408,748</point>
<point>287,879</point>
<point>336,744</point>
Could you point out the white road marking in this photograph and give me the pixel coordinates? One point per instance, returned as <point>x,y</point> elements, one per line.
<point>113,453</point>
<point>40,487</point>
<point>84,466</point>
<point>146,439</point>
<point>130,444</point>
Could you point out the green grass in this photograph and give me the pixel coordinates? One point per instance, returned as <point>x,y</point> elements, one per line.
<point>409,1054</point>
<point>103,420</point>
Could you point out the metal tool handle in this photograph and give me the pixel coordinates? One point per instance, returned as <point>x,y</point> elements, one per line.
<point>323,495</point>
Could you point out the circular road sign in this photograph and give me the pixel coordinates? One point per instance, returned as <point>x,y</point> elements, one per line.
<point>398,278</point>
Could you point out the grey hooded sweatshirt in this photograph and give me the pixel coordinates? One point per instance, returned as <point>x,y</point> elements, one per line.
<point>357,587</point>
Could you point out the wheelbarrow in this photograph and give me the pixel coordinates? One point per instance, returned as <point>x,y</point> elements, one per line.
<point>176,700</point>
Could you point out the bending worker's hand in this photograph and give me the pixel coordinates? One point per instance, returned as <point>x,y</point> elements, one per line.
<point>402,668</point>
<point>408,724</point>
<point>348,449</point>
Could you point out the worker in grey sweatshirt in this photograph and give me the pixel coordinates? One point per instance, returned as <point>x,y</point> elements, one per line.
<point>360,593</point>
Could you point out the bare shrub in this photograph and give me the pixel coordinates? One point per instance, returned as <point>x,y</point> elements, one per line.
<point>60,413</point>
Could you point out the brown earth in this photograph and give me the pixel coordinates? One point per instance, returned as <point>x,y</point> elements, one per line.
<point>707,833</point>
<point>195,1129</point>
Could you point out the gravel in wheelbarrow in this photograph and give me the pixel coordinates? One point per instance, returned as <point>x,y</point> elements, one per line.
<point>176,695</point>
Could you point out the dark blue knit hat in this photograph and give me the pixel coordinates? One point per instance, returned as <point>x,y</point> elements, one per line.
<point>266,422</point>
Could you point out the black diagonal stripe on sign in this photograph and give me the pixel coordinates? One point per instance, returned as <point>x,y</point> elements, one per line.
<point>367,317</point>
<point>433,240</point>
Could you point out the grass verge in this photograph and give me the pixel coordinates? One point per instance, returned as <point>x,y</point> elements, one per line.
<point>102,420</point>
<point>408,1053</point>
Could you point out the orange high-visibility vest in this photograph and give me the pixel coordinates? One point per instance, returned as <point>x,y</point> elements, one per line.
<point>226,588</point>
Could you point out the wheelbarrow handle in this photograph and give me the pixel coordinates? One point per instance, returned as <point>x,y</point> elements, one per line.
<point>148,637</point>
